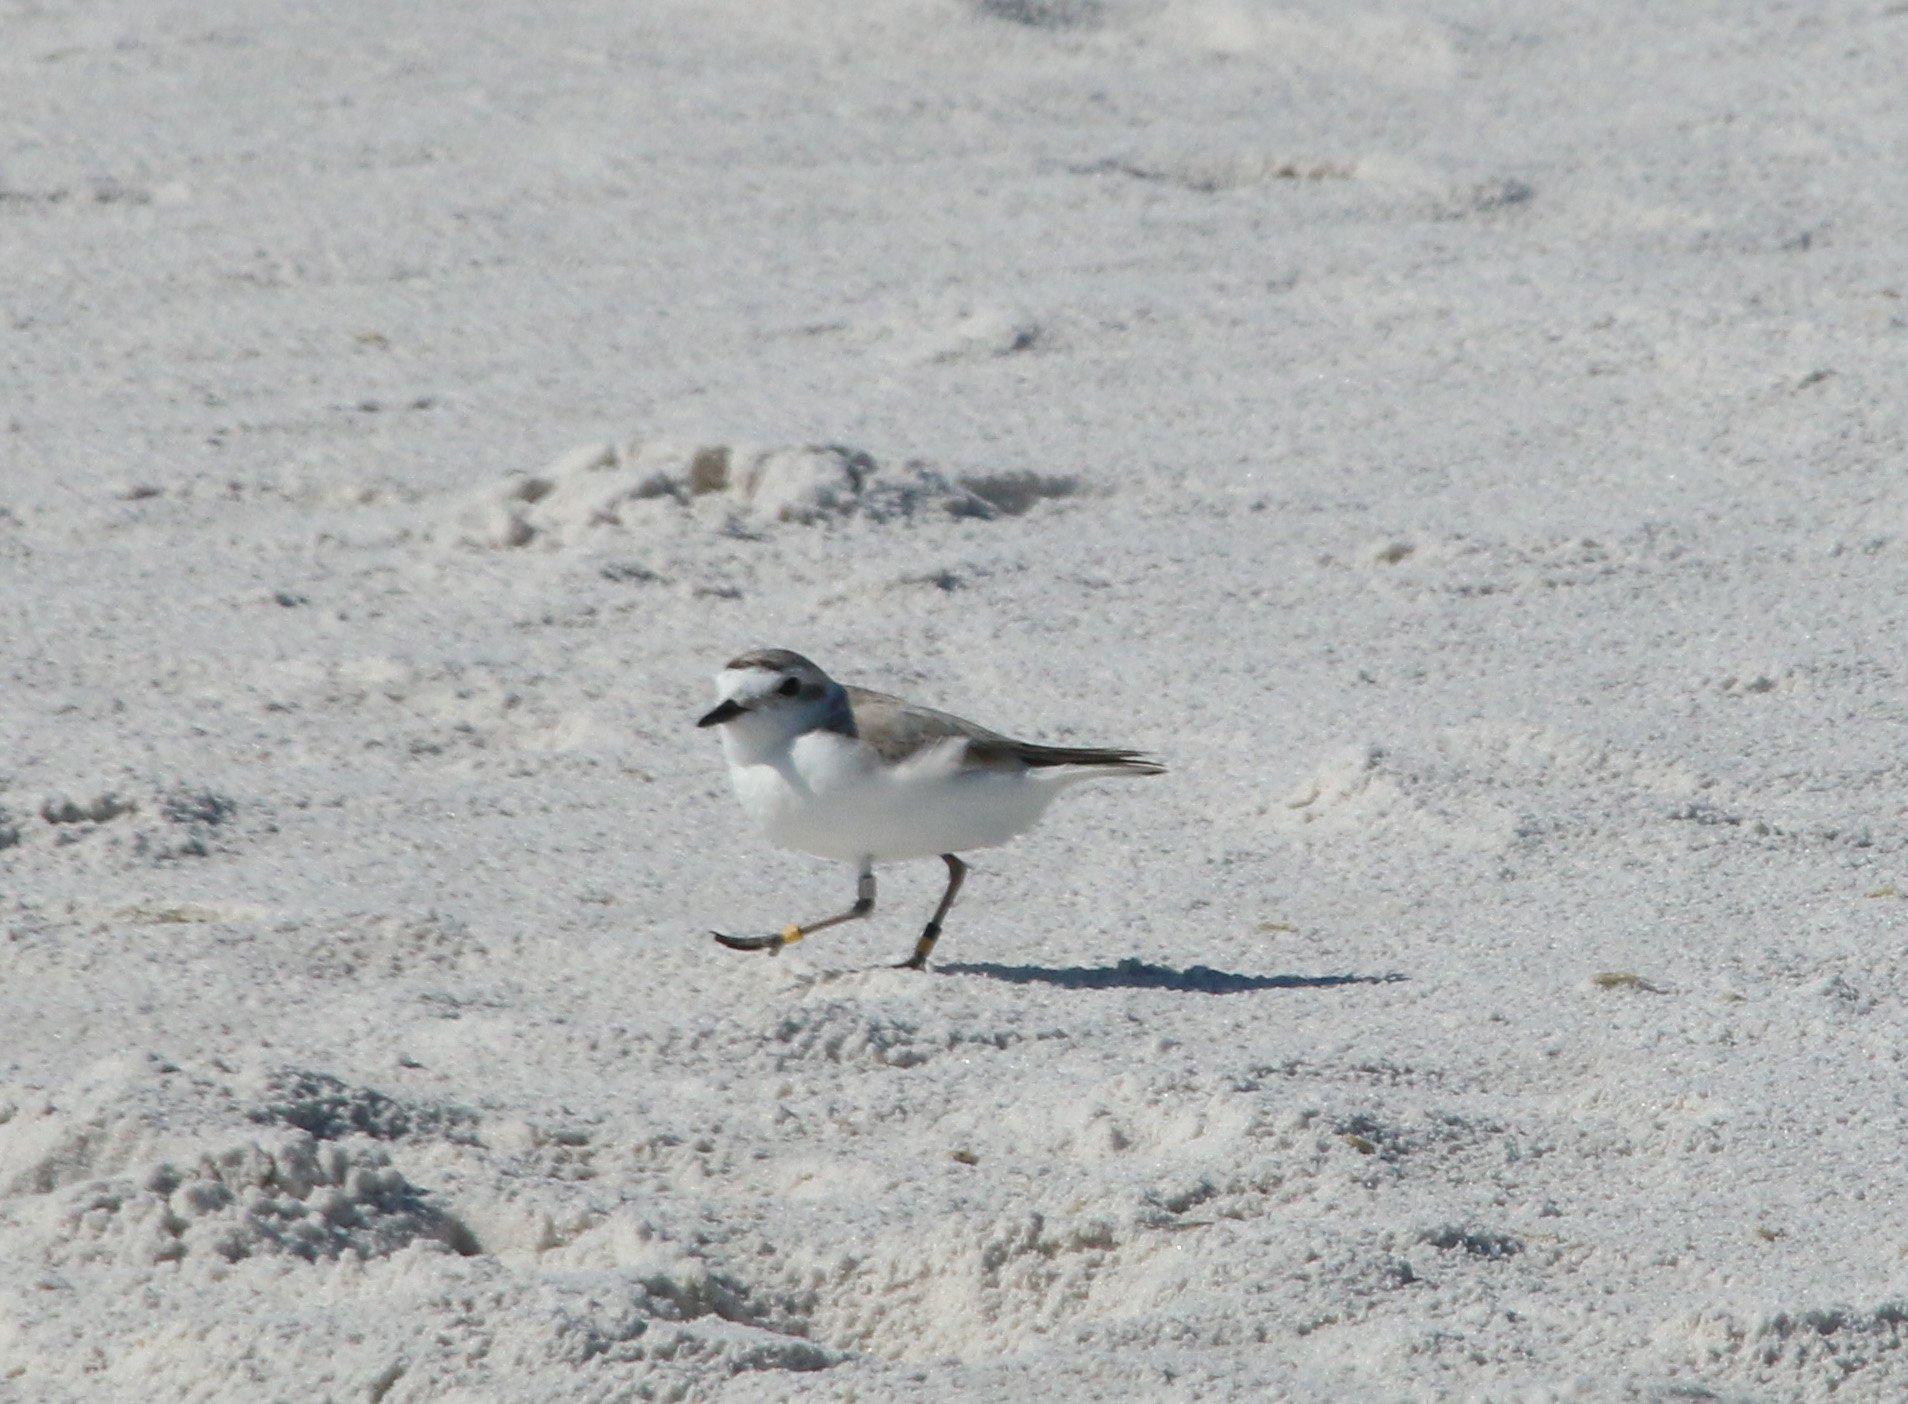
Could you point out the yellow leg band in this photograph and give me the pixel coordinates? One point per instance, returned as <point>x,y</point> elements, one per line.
<point>791,934</point>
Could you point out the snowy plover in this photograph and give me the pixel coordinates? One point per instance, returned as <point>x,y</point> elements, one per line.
<point>865,778</point>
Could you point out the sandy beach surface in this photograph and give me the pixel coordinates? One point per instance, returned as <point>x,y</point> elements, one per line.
<point>1465,442</point>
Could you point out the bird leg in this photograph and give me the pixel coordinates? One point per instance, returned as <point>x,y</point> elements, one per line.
<point>956,870</point>
<point>789,935</point>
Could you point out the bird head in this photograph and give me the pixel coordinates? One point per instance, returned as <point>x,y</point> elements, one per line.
<point>768,693</point>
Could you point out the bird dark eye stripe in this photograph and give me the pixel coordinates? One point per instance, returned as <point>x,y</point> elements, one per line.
<point>790,687</point>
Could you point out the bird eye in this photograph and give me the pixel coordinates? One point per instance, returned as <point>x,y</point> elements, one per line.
<point>789,687</point>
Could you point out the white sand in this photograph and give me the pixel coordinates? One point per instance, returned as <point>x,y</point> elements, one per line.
<point>1466,442</point>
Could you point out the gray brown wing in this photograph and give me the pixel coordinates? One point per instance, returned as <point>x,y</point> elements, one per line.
<point>897,730</point>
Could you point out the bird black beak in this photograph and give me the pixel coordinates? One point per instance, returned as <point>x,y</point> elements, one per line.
<point>725,710</point>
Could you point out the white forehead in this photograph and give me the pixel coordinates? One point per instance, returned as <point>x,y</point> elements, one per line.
<point>746,684</point>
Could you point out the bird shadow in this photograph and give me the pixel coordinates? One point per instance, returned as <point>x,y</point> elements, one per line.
<point>1138,975</point>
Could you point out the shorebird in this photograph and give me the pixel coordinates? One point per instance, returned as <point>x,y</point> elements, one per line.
<point>865,778</point>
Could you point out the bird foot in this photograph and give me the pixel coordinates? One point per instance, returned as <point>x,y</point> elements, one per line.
<point>787,936</point>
